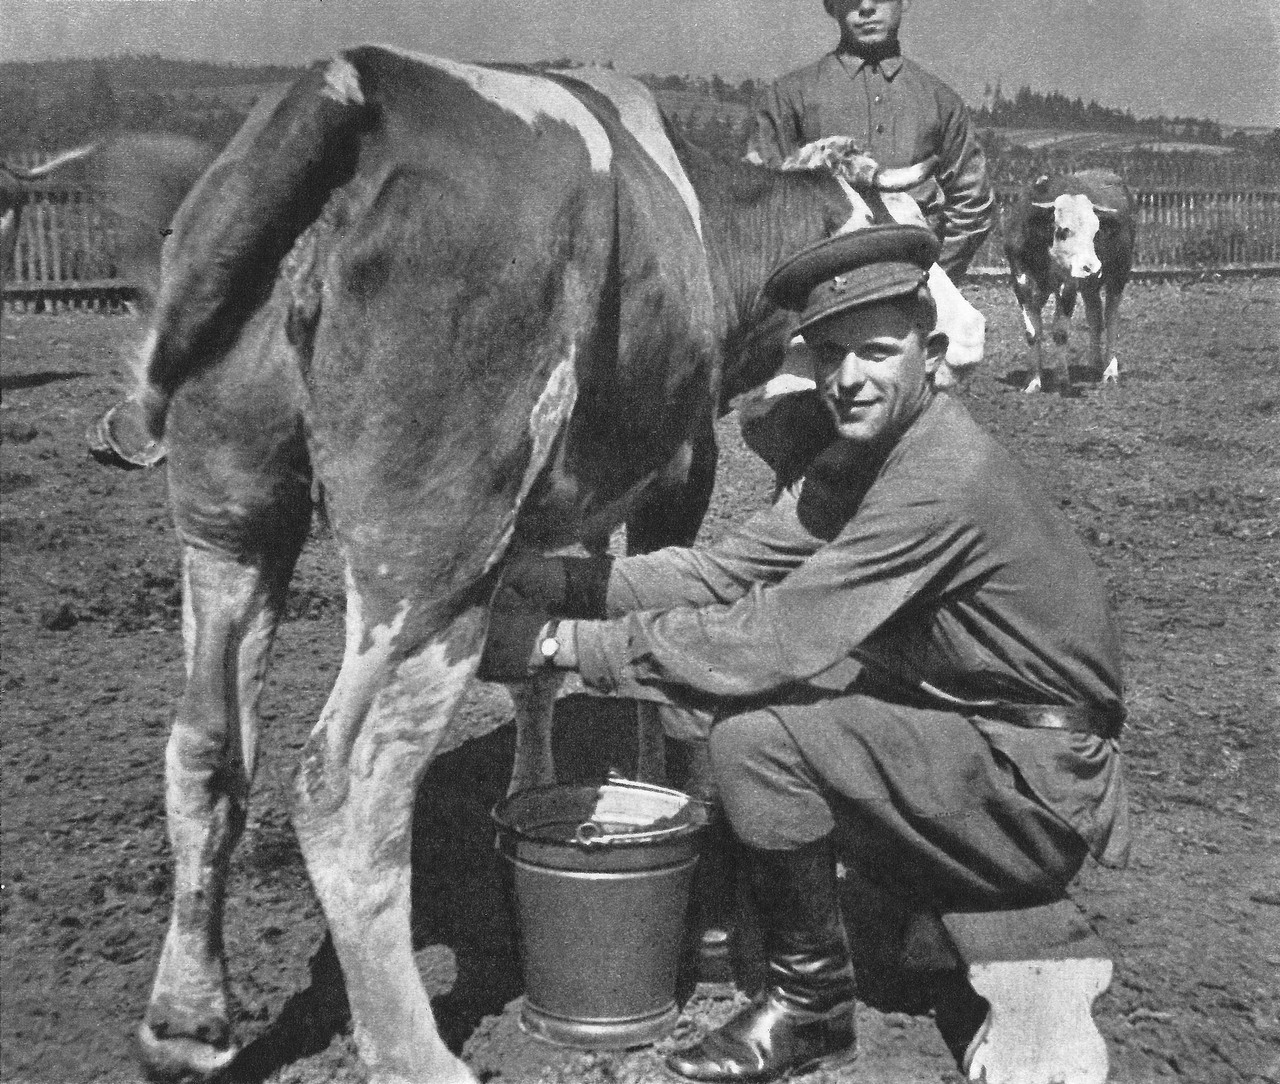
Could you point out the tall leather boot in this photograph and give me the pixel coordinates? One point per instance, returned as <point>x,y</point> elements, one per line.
<point>803,1019</point>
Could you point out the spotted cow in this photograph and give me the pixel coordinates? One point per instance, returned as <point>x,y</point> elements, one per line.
<point>459,312</point>
<point>1067,234</point>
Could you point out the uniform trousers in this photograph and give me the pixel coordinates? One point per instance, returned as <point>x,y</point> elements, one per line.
<point>917,798</point>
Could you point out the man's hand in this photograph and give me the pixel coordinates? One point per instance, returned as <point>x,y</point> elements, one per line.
<point>532,584</point>
<point>554,586</point>
<point>511,648</point>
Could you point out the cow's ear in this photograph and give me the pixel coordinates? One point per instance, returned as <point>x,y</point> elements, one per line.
<point>1040,186</point>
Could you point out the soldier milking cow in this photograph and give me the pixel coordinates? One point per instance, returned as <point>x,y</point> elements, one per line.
<point>457,417</point>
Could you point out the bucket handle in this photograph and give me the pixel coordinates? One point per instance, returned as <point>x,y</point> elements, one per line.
<point>591,834</point>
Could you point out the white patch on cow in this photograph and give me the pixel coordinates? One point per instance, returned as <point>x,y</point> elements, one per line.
<point>360,663</point>
<point>1074,252</point>
<point>529,98</point>
<point>1021,278</point>
<point>1031,321</point>
<point>342,82</point>
<point>965,326</point>
<point>416,704</point>
<point>142,359</point>
<point>860,214</point>
<point>383,569</point>
<point>640,116</point>
<point>550,414</point>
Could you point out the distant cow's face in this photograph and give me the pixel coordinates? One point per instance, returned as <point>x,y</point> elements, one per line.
<point>1075,226</point>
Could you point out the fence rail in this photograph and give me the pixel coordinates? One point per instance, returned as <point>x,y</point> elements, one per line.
<point>1181,231</point>
<point>67,247</point>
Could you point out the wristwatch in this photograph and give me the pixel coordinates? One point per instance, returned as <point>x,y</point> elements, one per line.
<point>548,646</point>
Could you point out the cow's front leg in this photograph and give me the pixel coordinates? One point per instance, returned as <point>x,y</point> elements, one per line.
<point>1034,325</point>
<point>1064,307</point>
<point>353,806</point>
<point>231,607</point>
<point>1111,320</point>
<point>1093,316</point>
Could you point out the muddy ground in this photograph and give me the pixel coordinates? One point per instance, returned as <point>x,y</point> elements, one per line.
<point>1173,478</point>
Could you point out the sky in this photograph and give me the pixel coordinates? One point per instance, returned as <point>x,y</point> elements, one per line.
<point>1205,58</point>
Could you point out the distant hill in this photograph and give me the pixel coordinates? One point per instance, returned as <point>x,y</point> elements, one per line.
<point>50,105</point>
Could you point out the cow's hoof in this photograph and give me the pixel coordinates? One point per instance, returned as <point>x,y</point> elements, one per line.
<point>1033,387</point>
<point>1111,374</point>
<point>119,439</point>
<point>181,1060</point>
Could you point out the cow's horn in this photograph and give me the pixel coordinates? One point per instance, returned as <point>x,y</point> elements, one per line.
<point>1102,209</point>
<point>1043,206</point>
<point>900,178</point>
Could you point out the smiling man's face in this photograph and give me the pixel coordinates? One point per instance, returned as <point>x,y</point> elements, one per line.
<point>874,368</point>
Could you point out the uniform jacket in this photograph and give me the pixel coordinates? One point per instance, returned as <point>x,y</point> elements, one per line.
<point>938,565</point>
<point>899,114</point>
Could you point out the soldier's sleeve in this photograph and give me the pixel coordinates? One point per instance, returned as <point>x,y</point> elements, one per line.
<point>764,549</point>
<point>775,131</point>
<point>966,188</point>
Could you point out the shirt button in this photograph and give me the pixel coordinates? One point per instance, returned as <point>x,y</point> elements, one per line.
<point>879,99</point>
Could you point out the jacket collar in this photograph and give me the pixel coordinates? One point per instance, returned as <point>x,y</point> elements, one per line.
<point>888,66</point>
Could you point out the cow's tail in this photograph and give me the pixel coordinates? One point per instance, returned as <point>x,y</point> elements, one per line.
<point>242,218</point>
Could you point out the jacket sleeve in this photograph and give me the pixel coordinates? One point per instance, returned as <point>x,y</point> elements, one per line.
<point>776,131</point>
<point>763,550</point>
<point>781,633</point>
<point>969,205</point>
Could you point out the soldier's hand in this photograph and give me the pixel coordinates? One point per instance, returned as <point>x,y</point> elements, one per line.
<point>530,584</point>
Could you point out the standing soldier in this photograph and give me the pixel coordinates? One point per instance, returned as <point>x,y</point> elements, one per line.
<point>895,111</point>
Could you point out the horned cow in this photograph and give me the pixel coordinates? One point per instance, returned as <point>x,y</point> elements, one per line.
<point>1069,234</point>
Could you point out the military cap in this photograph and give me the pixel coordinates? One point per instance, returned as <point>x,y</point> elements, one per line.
<point>852,269</point>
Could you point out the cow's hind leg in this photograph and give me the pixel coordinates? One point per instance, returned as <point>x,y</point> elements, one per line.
<point>231,606</point>
<point>402,675</point>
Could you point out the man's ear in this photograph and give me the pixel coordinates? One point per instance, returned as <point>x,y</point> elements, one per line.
<point>935,351</point>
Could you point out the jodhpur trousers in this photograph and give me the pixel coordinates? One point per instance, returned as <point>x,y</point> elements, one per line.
<point>916,797</point>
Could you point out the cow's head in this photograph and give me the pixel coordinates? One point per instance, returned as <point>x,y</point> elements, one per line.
<point>1075,227</point>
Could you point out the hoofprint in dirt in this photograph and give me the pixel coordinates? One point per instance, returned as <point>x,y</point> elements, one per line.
<point>1173,478</point>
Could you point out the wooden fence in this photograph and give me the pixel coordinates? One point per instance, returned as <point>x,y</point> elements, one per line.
<point>67,245</point>
<point>1181,231</point>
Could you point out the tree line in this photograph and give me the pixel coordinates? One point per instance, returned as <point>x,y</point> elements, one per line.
<point>46,106</point>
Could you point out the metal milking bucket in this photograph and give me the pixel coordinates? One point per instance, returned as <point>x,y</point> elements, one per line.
<point>601,879</point>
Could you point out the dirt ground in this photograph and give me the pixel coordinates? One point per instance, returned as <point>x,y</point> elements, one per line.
<point>1173,478</point>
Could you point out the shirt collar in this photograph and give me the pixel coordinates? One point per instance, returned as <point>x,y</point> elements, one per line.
<point>888,67</point>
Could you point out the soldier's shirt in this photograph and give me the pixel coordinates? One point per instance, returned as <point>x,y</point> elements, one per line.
<point>940,565</point>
